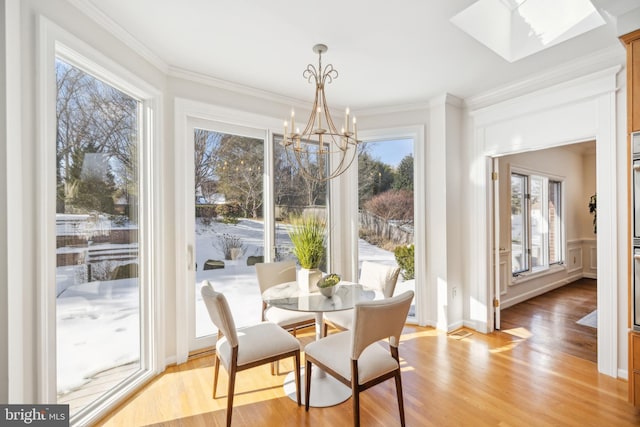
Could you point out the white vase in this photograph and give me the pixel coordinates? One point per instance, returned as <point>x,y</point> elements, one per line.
<point>308,279</point>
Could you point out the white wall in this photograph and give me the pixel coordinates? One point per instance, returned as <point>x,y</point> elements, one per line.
<point>4,282</point>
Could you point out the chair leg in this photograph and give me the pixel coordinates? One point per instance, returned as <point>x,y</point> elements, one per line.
<point>355,393</point>
<point>307,384</point>
<point>400,400</point>
<point>297,373</point>
<point>356,406</point>
<point>216,369</point>
<point>232,384</point>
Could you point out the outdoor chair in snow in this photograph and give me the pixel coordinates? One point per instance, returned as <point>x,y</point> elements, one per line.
<point>247,347</point>
<point>356,358</point>
<point>373,275</point>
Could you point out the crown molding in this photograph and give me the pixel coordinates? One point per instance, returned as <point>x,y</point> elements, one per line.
<point>575,90</point>
<point>446,99</point>
<point>115,29</point>
<point>390,109</point>
<point>614,55</point>
<point>205,79</point>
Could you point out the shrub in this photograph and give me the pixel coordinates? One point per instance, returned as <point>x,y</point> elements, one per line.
<point>228,243</point>
<point>230,212</point>
<point>206,213</point>
<point>392,205</point>
<point>406,260</point>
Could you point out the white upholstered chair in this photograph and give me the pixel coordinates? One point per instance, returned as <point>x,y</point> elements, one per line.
<point>372,275</point>
<point>355,357</point>
<point>246,347</point>
<point>272,274</point>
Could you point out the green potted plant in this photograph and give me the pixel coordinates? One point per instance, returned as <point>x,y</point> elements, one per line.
<point>308,235</point>
<point>593,209</point>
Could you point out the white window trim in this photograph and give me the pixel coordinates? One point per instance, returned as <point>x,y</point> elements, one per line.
<point>54,41</point>
<point>542,270</point>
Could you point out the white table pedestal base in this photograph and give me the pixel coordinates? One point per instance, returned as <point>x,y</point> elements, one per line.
<point>325,390</point>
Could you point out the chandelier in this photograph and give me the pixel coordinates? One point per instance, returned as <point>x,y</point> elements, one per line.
<point>320,151</point>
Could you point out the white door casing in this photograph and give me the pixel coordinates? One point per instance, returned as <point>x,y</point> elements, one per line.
<point>580,110</point>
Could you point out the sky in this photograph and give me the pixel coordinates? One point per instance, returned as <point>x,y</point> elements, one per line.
<point>390,152</point>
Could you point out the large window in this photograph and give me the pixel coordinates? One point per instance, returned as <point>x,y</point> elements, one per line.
<point>536,222</point>
<point>99,330</point>
<point>229,224</point>
<point>386,208</point>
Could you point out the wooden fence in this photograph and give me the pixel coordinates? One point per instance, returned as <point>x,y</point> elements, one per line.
<point>400,234</point>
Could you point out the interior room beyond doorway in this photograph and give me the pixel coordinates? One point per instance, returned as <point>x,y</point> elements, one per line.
<point>548,246</point>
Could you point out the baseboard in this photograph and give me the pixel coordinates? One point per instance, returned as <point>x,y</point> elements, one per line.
<point>623,374</point>
<point>455,325</point>
<point>476,325</point>
<point>169,361</point>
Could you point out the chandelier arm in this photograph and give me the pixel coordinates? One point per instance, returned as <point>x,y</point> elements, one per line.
<point>311,72</point>
<point>329,74</point>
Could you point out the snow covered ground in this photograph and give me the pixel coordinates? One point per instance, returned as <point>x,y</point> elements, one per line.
<point>98,322</point>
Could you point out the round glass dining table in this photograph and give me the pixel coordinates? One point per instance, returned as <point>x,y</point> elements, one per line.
<point>325,390</point>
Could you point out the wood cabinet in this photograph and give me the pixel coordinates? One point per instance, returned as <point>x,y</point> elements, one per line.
<point>632,44</point>
<point>634,368</point>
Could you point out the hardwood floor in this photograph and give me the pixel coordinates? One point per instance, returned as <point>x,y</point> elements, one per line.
<point>550,320</point>
<point>478,380</point>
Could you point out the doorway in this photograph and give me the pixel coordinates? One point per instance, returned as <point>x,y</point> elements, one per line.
<point>545,232</point>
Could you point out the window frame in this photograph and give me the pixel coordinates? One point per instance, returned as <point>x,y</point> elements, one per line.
<point>186,113</point>
<point>197,343</point>
<point>425,306</point>
<point>528,221</point>
<point>56,42</point>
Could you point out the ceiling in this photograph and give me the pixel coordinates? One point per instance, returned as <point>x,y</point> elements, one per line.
<point>386,55</point>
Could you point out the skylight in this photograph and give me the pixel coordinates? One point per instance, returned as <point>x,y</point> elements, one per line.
<point>515,29</point>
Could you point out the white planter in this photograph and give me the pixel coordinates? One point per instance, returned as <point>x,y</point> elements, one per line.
<point>236,253</point>
<point>308,279</point>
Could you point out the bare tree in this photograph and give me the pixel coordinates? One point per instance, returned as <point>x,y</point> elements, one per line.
<point>206,145</point>
<point>240,170</point>
<point>94,117</point>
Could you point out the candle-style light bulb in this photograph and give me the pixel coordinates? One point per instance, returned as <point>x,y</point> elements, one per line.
<point>346,118</point>
<point>293,119</point>
<point>355,130</point>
